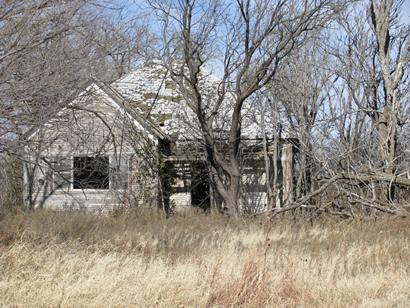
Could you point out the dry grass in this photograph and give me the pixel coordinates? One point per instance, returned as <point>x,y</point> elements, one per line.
<point>141,259</point>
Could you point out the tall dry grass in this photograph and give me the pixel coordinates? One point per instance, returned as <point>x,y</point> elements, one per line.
<point>138,258</point>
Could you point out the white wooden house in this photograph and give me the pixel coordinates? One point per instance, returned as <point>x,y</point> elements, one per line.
<point>109,146</point>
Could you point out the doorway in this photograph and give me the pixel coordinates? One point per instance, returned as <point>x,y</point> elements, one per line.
<point>200,195</point>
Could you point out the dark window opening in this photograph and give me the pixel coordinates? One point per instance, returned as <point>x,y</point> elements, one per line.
<point>200,186</point>
<point>91,172</point>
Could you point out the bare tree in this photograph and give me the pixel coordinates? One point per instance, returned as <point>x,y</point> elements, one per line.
<point>392,50</point>
<point>49,52</point>
<point>254,38</point>
<point>300,89</point>
<point>374,66</point>
<point>356,128</point>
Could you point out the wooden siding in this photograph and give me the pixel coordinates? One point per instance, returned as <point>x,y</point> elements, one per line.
<point>90,126</point>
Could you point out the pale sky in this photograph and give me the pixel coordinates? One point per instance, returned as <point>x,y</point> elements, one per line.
<point>406,12</point>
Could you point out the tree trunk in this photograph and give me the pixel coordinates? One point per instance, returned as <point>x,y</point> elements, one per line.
<point>386,129</point>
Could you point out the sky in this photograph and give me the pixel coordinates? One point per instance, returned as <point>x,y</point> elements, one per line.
<point>134,5</point>
<point>406,12</point>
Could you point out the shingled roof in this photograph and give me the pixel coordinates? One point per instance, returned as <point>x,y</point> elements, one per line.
<point>150,96</point>
<point>151,91</point>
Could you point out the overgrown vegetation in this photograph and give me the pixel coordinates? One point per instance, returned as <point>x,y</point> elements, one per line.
<point>317,90</point>
<point>192,259</point>
<point>11,183</point>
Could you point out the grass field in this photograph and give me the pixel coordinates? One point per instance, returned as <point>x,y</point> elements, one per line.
<point>138,258</point>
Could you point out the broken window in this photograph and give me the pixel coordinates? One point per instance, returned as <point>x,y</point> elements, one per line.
<point>91,172</point>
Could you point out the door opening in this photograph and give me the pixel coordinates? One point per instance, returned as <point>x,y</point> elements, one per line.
<point>200,196</point>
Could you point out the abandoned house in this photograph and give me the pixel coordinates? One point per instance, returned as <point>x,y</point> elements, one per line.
<point>135,142</point>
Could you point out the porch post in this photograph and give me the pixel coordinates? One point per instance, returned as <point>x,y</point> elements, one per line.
<point>287,171</point>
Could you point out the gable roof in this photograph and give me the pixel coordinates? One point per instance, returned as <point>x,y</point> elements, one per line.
<point>123,104</point>
<point>120,103</point>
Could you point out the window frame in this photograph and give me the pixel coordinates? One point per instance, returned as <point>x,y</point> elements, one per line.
<point>127,158</point>
<point>55,174</point>
<point>90,189</point>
